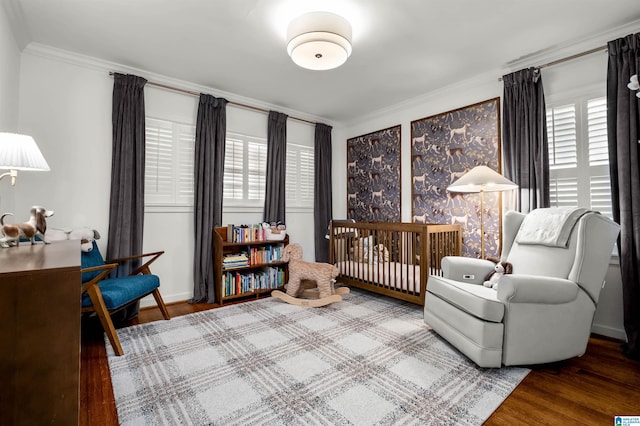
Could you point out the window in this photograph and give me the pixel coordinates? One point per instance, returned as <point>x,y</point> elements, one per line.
<point>578,154</point>
<point>245,173</point>
<point>169,156</point>
<point>300,176</point>
<point>169,166</point>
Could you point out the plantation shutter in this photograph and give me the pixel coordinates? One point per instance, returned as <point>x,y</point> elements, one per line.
<point>599,184</point>
<point>300,175</point>
<point>579,156</point>
<point>561,132</point>
<point>233,168</point>
<point>256,173</point>
<point>169,150</point>
<point>244,170</point>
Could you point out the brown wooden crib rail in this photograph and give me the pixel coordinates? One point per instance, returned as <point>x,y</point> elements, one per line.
<point>392,258</point>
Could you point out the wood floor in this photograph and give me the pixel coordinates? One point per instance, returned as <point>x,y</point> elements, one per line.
<point>589,390</point>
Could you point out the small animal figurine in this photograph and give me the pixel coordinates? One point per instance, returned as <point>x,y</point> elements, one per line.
<point>35,226</point>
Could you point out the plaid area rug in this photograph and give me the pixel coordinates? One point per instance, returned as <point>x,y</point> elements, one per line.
<point>366,360</point>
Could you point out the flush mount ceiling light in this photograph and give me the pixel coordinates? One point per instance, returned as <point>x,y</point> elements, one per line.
<point>319,40</point>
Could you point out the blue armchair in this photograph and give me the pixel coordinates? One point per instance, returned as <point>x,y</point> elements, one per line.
<point>104,295</point>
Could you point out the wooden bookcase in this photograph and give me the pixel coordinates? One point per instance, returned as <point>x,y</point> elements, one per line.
<point>222,247</point>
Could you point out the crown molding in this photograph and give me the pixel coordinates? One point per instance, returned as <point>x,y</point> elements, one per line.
<point>573,47</point>
<point>100,65</point>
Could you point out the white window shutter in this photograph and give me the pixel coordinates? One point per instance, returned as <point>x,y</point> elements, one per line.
<point>186,157</point>
<point>597,119</point>
<point>256,170</point>
<point>159,184</point>
<point>564,192</point>
<point>300,175</point>
<point>233,168</point>
<point>169,151</point>
<point>578,155</point>
<point>561,132</point>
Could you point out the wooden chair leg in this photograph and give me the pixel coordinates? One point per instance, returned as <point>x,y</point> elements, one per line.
<point>161,305</point>
<point>105,318</point>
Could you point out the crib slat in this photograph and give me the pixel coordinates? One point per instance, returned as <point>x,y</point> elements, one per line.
<point>414,252</point>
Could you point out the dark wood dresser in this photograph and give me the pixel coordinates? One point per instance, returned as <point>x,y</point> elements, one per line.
<point>40,333</point>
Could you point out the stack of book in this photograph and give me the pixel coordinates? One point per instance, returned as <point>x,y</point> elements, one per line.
<point>235,261</point>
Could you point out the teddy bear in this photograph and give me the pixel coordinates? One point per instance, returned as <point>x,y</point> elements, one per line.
<point>501,268</point>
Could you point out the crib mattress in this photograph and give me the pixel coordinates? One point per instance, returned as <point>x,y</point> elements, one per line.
<point>393,275</point>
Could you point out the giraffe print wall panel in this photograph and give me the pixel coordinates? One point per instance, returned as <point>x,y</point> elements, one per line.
<point>373,176</point>
<point>443,148</point>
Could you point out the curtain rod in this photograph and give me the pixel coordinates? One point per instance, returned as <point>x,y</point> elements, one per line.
<point>191,92</point>
<point>569,58</point>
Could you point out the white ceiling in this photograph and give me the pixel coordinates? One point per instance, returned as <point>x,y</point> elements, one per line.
<point>401,48</point>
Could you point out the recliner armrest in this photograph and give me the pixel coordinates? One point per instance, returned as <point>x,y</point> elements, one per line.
<point>466,269</point>
<point>517,288</point>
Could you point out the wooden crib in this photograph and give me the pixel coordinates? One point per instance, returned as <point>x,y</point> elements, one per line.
<point>391,258</point>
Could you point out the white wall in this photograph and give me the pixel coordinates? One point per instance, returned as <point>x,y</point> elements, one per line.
<point>9,100</point>
<point>65,103</point>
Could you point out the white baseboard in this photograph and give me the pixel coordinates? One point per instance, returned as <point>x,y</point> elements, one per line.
<point>168,298</point>
<point>608,331</point>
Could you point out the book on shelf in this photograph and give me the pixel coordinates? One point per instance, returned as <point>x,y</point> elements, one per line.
<point>265,254</point>
<point>236,283</point>
<point>245,233</point>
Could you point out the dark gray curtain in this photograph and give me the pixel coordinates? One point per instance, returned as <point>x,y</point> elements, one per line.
<point>524,133</point>
<point>211,129</point>
<point>623,120</point>
<point>126,207</point>
<point>275,196</point>
<point>322,212</point>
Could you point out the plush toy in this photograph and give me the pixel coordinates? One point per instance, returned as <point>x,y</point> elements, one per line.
<point>494,276</point>
<point>86,237</point>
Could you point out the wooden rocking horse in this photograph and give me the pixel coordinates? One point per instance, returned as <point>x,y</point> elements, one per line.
<point>310,284</point>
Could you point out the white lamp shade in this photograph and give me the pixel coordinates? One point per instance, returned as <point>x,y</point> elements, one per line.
<point>633,82</point>
<point>482,179</point>
<point>319,40</point>
<point>20,152</point>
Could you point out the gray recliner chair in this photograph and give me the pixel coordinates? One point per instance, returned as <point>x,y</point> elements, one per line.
<point>540,313</point>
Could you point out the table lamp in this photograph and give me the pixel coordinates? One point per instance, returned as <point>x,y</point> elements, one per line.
<point>19,152</point>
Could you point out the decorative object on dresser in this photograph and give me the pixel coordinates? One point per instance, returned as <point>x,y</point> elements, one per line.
<point>36,226</point>
<point>105,296</point>
<point>542,312</point>
<point>373,176</point>
<point>394,259</point>
<point>443,148</point>
<point>322,275</point>
<point>246,264</point>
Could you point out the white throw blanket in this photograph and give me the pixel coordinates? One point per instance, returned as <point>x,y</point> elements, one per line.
<point>549,227</point>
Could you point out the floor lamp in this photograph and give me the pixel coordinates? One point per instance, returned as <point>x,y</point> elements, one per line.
<point>482,179</point>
